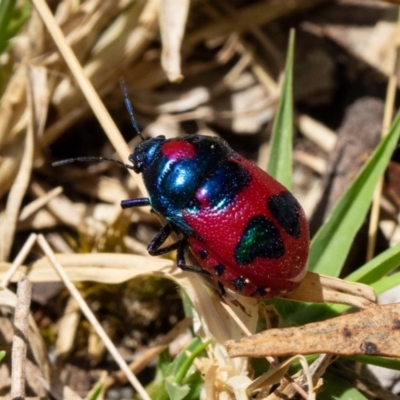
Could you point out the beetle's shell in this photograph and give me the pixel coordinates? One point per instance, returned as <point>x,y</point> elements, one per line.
<point>243,226</point>
<point>265,204</point>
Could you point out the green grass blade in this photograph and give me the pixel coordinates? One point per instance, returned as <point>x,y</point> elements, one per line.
<point>280,159</point>
<point>331,244</point>
<point>386,283</point>
<point>176,391</point>
<point>182,368</point>
<point>377,268</point>
<point>172,376</point>
<point>390,363</point>
<point>18,19</point>
<point>6,10</point>
<point>12,19</point>
<point>95,392</point>
<point>335,388</point>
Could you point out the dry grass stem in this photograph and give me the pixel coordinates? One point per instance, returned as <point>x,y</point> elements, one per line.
<point>20,339</point>
<point>387,121</point>
<point>66,329</point>
<point>8,299</point>
<point>319,288</point>
<point>9,220</point>
<point>318,133</point>
<point>278,372</point>
<point>92,319</point>
<point>19,259</point>
<point>247,25</point>
<point>172,26</point>
<point>87,88</point>
<point>37,204</point>
<point>317,164</point>
<point>259,13</point>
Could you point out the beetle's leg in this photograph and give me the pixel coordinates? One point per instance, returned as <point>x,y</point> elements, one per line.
<point>154,246</point>
<point>181,245</point>
<point>181,262</point>
<point>140,202</point>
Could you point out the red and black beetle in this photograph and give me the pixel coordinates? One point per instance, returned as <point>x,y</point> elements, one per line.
<point>245,229</point>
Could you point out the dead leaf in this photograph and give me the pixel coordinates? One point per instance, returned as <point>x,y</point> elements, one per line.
<point>317,288</point>
<point>374,331</point>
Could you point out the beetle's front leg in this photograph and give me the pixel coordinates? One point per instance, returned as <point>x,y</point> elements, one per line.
<point>154,246</point>
<point>181,245</point>
<point>139,202</point>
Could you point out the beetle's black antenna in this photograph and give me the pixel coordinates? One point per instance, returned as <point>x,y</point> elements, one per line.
<point>89,159</point>
<point>129,107</point>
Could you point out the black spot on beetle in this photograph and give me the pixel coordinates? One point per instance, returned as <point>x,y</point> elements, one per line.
<point>396,324</point>
<point>239,283</point>
<point>369,348</point>
<point>260,292</point>
<point>286,210</point>
<point>203,254</point>
<point>261,238</point>
<point>346,332</point>
<point>227,181</point>
<point>219,269</point>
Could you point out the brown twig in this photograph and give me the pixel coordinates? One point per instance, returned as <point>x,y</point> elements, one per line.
<point>17,192</point>
<point>19,346</point>
<point>19,259</point>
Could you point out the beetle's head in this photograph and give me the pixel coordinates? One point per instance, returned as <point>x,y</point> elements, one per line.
<point>145,153</point>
